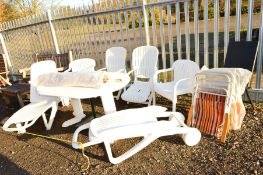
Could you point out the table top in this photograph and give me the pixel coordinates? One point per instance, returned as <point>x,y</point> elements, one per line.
<point>116,82</point>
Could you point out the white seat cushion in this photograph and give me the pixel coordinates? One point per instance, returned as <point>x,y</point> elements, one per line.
<point>167,89</point>
<point>138,92</point>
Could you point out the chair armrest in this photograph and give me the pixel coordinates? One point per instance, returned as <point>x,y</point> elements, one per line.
<point>68,70</point>
<point>24,72</point>
<point>121,71</point>
<point>102,69</point>
<point>180,82</point>
<point>130,72</point>
<point>155,77</point>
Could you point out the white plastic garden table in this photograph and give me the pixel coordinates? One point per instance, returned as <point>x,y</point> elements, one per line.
<point>116,82</point>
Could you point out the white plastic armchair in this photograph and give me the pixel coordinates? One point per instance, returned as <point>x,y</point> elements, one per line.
<point>183,80</point>
<point>141,122</point>
<point>87,64</point>
<point>115,59</point>
<point>144,65</point>
<point>39,104</point>
<point>115,62</point>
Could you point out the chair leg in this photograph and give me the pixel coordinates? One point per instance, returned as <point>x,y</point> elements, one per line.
<point>142,144</point>
<point>174,103</point>
<point>154,98</point>
<point>118,95</point>
<point>92,108</point>
<point>51,118</point>
<point>248,96</point>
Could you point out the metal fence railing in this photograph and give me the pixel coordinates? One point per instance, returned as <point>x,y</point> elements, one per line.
<point>181,29</point>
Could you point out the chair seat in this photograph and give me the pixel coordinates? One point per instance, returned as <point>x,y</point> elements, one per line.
<point>167,89</point>
<point>138,92</point>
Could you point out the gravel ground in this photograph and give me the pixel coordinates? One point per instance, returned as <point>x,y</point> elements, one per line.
<point>25,154</point>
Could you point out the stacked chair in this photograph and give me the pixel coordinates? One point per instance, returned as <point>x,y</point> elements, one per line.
<point>20,90</point>
<point>217,101</point>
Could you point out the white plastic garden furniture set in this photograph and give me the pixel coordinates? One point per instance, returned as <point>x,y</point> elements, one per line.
<point>48,86</point>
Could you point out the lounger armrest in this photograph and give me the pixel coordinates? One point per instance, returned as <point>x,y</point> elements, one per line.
<point>75,142</point>
<point>24,71</point>
<point>155,77</point>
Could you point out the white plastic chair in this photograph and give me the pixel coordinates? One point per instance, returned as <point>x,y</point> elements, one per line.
<point>144,65</point>
<point>183,80</point>
<point>87,64</point>
<point>141,122</point>
<point>39,104</point>
<point>116,62</point>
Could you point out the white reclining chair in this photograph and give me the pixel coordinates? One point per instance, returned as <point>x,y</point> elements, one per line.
<point>27,116</point>
<point>116,62</point>
<point>183,80</point>
<point>144,65</point>
<point>141,122</point>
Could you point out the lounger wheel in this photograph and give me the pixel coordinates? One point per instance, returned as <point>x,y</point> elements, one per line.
<point>192,137</point>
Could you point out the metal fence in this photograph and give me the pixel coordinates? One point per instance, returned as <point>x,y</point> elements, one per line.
<point>181,29</point>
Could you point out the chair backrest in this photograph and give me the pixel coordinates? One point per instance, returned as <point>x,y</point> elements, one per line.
<point>185,69</point>
<point>115,59</point>
<point>37,69</point>
<point>241,54</point>
<point>144,61</point>
<point>83,64</point>
<point>62,60</point>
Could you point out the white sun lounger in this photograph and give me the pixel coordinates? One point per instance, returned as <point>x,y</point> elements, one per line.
<point>27,116</point>
<point>131,123</point>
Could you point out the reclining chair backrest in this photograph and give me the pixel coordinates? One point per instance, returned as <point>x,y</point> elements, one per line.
<point>184,69</point>
<point>87,64</point>
<point>144,61</point>
<point>38,69</point>
<point>241,54</point>
<point>62,60</point>
<point>116,59</point>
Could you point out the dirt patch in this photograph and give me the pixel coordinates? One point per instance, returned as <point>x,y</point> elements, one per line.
<point>25,154</point>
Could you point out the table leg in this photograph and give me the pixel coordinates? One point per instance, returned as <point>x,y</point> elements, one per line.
<point>108,102</point>
<point>77,112</point>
